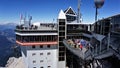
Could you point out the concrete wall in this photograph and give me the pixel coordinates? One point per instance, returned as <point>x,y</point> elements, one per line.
<point>38,57</point>
<point>61,64</point>
<point>15,63</point>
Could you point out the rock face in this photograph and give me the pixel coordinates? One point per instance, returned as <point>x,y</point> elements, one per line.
<point>7,43</point>
<point>15,63</point>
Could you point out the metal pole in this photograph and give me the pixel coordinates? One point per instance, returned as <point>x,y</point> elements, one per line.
<point>109,35</point>
<point>79,14</point>
<point>96,48</point>
<point>100,45</point>
<point>108,41</point>
<point>96,13</point>
<point>101,28</point>
<point>96,19</point>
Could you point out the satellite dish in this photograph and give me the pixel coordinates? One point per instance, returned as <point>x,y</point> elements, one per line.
<point>98,3</point>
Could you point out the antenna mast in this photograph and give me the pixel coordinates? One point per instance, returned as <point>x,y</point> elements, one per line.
<point>79,14</point>
<point>30,18</point>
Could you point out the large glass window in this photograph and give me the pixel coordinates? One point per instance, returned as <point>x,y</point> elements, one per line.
<point>37,38</point>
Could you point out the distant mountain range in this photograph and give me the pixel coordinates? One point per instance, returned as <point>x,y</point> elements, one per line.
<point>7,26</point>
<point>7,42</point>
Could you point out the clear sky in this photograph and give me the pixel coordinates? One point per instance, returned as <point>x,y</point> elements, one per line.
<point>47,10</point>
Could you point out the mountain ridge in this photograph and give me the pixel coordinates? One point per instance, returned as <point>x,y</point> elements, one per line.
<point>7,42</point>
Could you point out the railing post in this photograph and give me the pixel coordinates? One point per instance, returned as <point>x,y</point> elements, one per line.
<point>100,45</point>
<point>108,41</point>
<point>96,48</point>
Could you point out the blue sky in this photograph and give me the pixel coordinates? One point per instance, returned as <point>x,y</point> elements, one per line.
<point>47,10</point>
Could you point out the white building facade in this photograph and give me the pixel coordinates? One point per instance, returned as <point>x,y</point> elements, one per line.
<point>39,47</point>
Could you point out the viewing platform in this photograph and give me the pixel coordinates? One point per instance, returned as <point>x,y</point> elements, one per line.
<point>96,48</point>
<point>79,47</point>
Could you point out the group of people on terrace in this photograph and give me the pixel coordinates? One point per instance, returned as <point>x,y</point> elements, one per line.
<point>79,43</point>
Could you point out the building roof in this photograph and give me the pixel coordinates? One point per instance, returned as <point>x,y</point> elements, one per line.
<point>87,35</point>
<point>108,18</point>
<point>98,37</point>
<point>70,11</point>
<point>61,15</point>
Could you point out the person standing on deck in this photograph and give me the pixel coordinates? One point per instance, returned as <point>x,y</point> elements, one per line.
<point>81,46</point>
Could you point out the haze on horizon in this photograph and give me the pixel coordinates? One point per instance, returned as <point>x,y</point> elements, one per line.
<point>47,10</point>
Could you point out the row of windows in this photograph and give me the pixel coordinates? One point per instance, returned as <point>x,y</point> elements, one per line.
<point>33,54</point>
<point>41,46</point>
<point>71,18</point>
<point>43,67</point>
<point>35,61</point>
<point>36,38</point>
<point>61,50</point>
<point>36,31</point>
<point>41,61</point>
<point>73,26</point>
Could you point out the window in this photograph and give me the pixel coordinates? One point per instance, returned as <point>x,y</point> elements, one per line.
<point>61,58</point>
<point>41,46</point>
<point>61,54</point>
<point>61,28</point>
<point>33,46</point>
<point>61,38</point>
<point>48,53</point>
<point>61,48</point>
<point>33,54</point>
<point>49,67</point>
<point>48,46</point>
<point>34,61</point>
<point>61,33</point>
<point>41,61</point>
<point>41,53</point>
